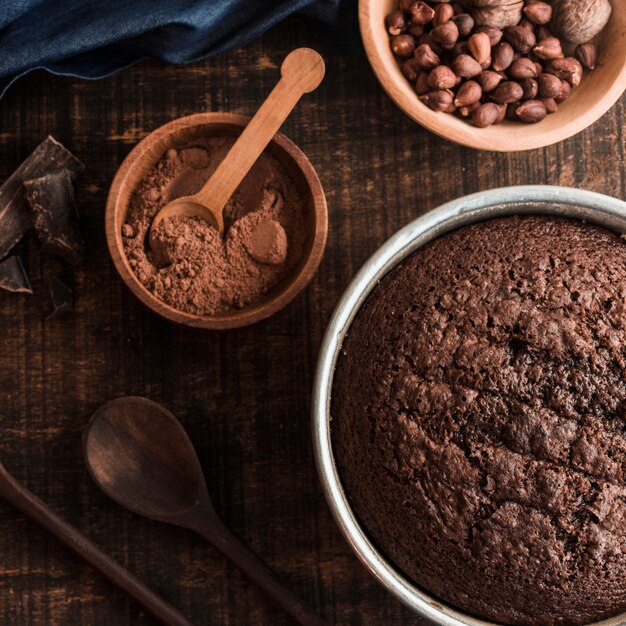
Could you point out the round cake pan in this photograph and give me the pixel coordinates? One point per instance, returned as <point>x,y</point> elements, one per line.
<point>556,201</point>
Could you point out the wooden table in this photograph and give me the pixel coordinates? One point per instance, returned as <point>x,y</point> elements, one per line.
<point>243,396</point>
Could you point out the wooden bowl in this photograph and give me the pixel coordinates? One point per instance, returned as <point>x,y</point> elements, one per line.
<point>597,93</point>
<point>176,133</point>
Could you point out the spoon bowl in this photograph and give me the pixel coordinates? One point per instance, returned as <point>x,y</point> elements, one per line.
<point>185,206</point>
<point>141,457</point>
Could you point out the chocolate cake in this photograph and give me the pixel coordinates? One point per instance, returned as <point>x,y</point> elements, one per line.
<point>479,419</point>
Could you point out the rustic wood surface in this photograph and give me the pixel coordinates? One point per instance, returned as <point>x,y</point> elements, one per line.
<point>243,395</point>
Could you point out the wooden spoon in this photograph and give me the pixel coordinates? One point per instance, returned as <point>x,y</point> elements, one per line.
<point>301,72</point>
<point>27,502</point>
<point>138,453</point>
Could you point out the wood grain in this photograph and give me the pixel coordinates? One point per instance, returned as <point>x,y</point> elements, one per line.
<point>243,396</point>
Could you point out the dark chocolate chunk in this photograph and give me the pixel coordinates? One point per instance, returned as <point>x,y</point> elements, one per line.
<point>13,277</point>
<point>55,220</point>
<point>15,218</point>
<point>57,299</point>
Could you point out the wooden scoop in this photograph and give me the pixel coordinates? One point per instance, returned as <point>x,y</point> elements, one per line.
<point>138,453</point>
<point>301,72</point>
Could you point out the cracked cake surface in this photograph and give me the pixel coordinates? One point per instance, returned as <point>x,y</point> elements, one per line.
<point>479,419</point>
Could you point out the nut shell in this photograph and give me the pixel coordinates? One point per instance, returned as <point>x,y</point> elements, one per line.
<point>580,21</point>
<point>497,13</point>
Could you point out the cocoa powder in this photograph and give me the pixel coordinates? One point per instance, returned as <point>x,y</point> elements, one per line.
<point>206,273</point>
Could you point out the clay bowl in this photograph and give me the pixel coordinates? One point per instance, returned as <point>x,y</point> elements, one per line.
<point>597,93</point>
<point>178,132</point>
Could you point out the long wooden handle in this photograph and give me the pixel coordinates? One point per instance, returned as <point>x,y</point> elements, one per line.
<point>212,529</point>
<point>34,508</point>
<point>301,72</point>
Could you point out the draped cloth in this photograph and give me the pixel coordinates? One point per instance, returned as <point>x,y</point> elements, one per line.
<point>94,38</point>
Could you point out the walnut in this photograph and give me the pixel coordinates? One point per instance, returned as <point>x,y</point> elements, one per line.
<point>579,21</point>
<point>497,13</point>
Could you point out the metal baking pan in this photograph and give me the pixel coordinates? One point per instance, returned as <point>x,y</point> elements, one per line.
<point>546,200</point>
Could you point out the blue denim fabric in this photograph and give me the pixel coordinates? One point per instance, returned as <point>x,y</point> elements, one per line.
<point>94,38</point>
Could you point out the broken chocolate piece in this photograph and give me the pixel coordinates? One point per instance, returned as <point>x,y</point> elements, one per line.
<point>54,216</point>
<point>58,298</point>
<point>49,156</point>
<point>13,276</point>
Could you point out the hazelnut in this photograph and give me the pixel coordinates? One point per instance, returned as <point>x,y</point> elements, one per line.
<point>443,13</point>
<point>489,80</point>
<point>446,34</point>
<point>495,34</point>
<point>522,68</point>
<point>549,85</point>
<point>415,30</point>
<point>426,57</point>
<point>421,84</point>
<point>465,23</point>
<point>568,69</point>
<point>539,13</point>
<point>466,67</point>
<point>460,47</point>
<point>479,47</point>
<point>549,48</point>
<point>410,69</point>
<point>442,77</point>
<point>566,90</point>
<point>522,39</point>
<point>579,21</point>
<point>530,88</point>
<point>438,100</point>
<point>531,111</point>
<point>421,13</point>
<point>466,111</point>
<point>587,54</point>
<point>550,104</point>
<point>396,24</point>
<point>502,56</point>
<point>403,46</point>
<point>511,111</point>
<point>469,93</point>
<point>486,114</point>
<point>507,92</point>
<point>501,114</point>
